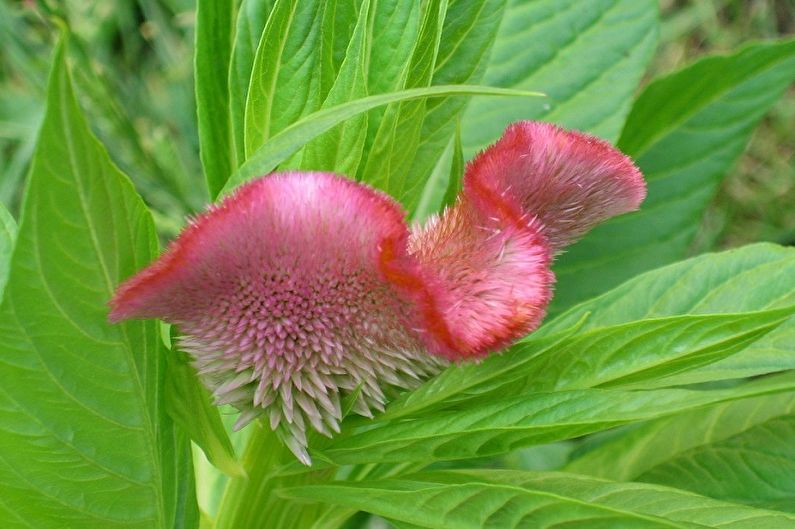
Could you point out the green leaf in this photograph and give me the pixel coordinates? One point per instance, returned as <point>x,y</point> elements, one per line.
<point>685,131</point>
<point>284,85</point>
<point>282,145</point>
<point>190,405</point>
<point>396,24</point>
<point>340,149</point>
<point>251,19</point>
<point>658,305</point>
<point>444,182</point>
<point>511,499</point>
<point>500,425</point>
<point>586,56</point>
<point>398,136</point>
<point>470,29</point>
<point>756,277</point>
<point>214,36</point>
<point>740,451</point>
<point>85,440</point>
<point>638,354</point>
<point>8,234</point>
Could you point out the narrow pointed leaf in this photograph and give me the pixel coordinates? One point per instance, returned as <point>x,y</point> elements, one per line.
<point>511,500</point>
<point>251,19</point>
<point>8,234</point>
<point>281,146</point>
<point>340,149</point>
<point>501,425</point>
<point>214,35</point>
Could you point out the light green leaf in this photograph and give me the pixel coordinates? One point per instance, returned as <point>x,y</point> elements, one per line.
<point>714,286</point>
<point>470,29</point>
<point>685,131</point>
<point>8,234</point>
<point>388,159</point>
<point>190,405</point>
<point>586,56</point>
<point>500,425</point>
<point>340,149</point>
<point>214,35</point>
<point>284,85</point>
<point>740,451</point>
<point>755,277</point>
<point>396,24</point>
<point>510,499</point>
<point>251,19</point>
<point>282,145</point>
<point>85,441</point>
<point>444,182</point>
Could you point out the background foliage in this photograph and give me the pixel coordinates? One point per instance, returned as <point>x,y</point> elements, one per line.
<point>656,396</point>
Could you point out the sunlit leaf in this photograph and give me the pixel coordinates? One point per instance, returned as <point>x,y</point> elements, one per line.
<point>85,439</point>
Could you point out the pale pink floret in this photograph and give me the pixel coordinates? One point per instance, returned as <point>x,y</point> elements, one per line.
<point>300,287</point>
<point>570,180</point>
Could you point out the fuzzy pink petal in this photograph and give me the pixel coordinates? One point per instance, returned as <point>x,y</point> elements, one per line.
<point>571,181</point>
<point>281,295</point>
<point>492,275</point>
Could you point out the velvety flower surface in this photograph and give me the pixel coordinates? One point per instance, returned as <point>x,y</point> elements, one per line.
<point>301,287</point>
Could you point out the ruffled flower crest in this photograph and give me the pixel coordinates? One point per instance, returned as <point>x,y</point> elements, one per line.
<point>301,286</point>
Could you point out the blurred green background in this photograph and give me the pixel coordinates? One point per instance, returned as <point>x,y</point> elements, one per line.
<point>133,60</point>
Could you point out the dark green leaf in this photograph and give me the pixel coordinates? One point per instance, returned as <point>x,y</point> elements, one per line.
<point>756,277</point>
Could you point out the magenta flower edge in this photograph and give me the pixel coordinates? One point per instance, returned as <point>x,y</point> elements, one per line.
<point>303,286</point>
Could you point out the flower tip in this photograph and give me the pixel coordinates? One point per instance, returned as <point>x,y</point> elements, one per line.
<point>570,180</point>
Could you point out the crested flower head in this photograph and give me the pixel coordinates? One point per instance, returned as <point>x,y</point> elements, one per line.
<point>301,287</point>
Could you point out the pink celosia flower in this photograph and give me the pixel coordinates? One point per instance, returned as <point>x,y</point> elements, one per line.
<point>301,286</point>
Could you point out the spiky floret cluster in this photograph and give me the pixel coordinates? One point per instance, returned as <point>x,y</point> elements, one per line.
<point>301,287</point>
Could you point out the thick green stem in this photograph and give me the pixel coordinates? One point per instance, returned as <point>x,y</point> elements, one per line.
<point>251,502</point>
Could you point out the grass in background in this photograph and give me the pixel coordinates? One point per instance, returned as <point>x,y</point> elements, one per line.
<point>757,200</point>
